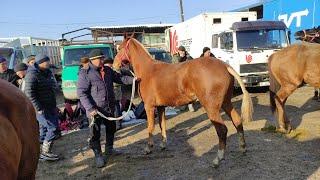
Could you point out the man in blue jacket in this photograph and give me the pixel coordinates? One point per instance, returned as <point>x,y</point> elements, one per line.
<point>40,88</point>
<point>7,74</point>
<point>95,90</point>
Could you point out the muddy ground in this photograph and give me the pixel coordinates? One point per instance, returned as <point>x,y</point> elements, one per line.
<point>193,145</point>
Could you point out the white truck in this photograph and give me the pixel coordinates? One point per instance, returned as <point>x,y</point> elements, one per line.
<point>236,38</point>
<point>17,48</point>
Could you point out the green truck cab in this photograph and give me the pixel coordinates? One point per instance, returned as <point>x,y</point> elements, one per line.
<point>71,53</point>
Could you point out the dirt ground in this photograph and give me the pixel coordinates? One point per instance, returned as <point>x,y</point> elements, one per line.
<point>193,145</point>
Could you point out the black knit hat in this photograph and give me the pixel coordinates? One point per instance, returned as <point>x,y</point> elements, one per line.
<point>205,49</point>
<point>41,58</point>
<point>20,67</point>
<point>96,53</point>
<point>2,59</point>
<point>182,48</point>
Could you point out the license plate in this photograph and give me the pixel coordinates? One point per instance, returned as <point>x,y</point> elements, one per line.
<point>264,84</point>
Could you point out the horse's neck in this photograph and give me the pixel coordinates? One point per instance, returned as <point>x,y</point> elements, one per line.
<point>142,64</point>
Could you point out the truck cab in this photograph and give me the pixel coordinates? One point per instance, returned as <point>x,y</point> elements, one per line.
<point>72,50</point>
<point>71,55</point>
<point>247,47</point>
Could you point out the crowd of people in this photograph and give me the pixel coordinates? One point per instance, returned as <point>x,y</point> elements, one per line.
<point>35,79</point>
<point>97,90</point>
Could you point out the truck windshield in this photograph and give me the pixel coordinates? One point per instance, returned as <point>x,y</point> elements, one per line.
<point>6,53</point>
<point>72,56</point>
<point>261,39</point>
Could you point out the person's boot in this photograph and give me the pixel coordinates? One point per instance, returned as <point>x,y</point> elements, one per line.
<point>46,153</point>
<point>109,150</point>
<point>98,157</point>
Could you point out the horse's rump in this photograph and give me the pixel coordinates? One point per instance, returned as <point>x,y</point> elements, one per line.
<point>18,114</point>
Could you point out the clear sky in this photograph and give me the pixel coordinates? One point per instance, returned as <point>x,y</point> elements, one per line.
<point>51,18</point>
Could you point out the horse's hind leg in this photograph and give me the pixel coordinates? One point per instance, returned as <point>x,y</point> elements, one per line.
<point>282,95</point>
<point>236,120</point>
<point>221,128</point>
<point>162,124</point>
<point>150,119</point>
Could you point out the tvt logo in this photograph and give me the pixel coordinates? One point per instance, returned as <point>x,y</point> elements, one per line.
<point>298,15</point>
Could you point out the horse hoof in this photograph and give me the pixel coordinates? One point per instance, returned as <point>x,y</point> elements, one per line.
<point>282,130</point>
<point>289,129</point>
<point>216,163</point>
<point>163,146</point>
<point>147,150</point>
<point>243,150</point>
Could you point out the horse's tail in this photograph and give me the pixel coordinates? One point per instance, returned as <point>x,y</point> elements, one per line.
<point>246,107</point>
<point>273,88</point>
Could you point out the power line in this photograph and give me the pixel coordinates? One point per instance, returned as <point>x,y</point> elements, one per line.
<point>84,23</point>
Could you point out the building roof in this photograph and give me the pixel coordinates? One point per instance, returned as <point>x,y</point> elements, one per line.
<point>119,30</point>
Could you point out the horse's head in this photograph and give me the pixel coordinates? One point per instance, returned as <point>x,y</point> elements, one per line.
<point>123,55</point>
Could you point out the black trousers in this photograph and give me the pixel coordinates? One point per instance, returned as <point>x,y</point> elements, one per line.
<point>95,134</point>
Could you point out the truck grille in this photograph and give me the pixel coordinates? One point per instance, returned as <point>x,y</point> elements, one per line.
<point>251,68</point>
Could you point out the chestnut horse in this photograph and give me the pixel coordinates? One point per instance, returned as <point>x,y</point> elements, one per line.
<point>211,81</point>
<point>19,134</point>
<point>289,68</point>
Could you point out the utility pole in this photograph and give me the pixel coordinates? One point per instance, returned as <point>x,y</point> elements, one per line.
<point>181,11</point>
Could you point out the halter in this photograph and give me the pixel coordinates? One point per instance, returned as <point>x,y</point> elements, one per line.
<point>126,50</point>
<point>311,35</point>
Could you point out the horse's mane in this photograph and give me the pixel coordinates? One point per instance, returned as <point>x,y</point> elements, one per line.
<point>142,47</point>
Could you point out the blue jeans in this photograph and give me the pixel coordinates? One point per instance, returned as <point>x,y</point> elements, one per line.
<point>48,125</point>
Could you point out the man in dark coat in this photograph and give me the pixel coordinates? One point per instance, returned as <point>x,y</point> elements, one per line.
<point>7,74</point>
<point>206,52</point>
<point>21,71</point>
<point>95,90</point>
<point>40,88</point>
<point>181,56</point>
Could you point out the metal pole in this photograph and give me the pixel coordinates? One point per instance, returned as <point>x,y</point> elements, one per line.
<point>181,11</point>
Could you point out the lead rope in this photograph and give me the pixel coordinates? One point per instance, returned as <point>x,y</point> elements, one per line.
<point>131,100</point>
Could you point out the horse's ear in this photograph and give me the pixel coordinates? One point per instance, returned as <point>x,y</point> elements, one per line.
<point>126,36</point>
<point>132,35</point>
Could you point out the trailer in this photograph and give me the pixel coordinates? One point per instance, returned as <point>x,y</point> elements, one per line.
<point>235,38</point>
<point>196,33</point>
<point>26,46</point>
<point>296,14</point>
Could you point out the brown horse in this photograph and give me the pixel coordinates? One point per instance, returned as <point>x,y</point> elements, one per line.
<point>19,144</point>
<point>289,68</point>
<point>162,84</point>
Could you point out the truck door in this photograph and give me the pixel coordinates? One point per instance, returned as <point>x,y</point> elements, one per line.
<point>226,47</point>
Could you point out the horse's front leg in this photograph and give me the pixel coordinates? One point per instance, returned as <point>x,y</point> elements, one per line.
<point>150,119</point>
<point>162,124</point>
